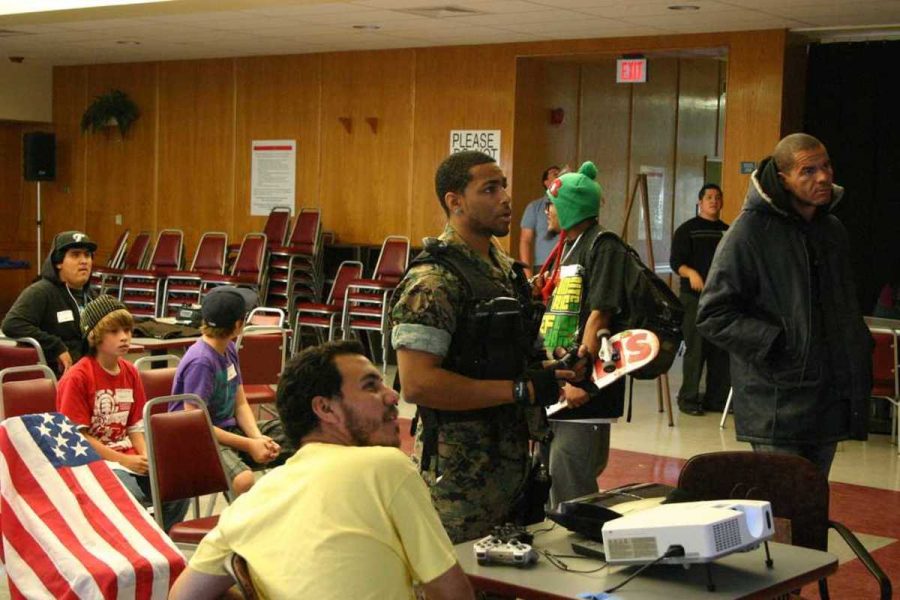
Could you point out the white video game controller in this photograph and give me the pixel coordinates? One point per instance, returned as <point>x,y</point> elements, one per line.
<point>491,550</point>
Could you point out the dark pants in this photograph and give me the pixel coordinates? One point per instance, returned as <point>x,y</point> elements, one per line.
<point>699,352</point>
<point>821,455</point>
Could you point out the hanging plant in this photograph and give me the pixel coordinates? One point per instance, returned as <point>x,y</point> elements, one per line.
<point>111,108</point>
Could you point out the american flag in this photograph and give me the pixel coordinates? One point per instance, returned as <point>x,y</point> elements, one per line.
<point>69,528</point>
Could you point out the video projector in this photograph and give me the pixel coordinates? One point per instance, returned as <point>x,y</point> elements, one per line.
<point>704,530</point>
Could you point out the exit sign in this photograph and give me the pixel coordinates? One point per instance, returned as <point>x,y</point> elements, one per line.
<point>631,70</point>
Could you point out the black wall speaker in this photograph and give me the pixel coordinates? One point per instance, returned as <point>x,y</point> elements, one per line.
<point>39,156</point>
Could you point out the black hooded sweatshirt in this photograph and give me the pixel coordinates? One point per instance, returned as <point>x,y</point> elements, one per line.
<point>49,312</point>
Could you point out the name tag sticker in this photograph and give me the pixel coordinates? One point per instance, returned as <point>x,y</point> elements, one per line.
<point>125,395</point>
<point>64,316</point>
<point>232,372</point>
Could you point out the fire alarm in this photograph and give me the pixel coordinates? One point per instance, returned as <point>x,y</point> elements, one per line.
<point>557,116</point>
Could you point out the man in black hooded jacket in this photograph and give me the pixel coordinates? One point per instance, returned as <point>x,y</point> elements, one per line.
<point>49,310</point>
<point>780,298</point>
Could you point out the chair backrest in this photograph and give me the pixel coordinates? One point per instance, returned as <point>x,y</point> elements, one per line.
<point>347,272</point>
<point>307,231</point>
<point>157,382</point>
<point>137,253</point>
<point>393,259</point>
<point>210,254</point>
<point>167,253</point>
<point>277,225</point>
<point>251,257</point>
<point>24,397</point>
<point>884,364</point>
<point>182,452</point>
<point>265,315</point>
<point>797,489</point>
<point>21,352</point>
<point>118,251</point>
<point>261,352</point>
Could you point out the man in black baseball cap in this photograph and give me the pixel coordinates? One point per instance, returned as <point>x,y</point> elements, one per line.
<point>49,310</point>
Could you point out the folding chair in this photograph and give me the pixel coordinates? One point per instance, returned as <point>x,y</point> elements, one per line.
<point>248,267</point>
<point>261,352</point>
<point>115,261</point>
<point>21,352</point>
<point>266,315</point>
<point>141,289</point>
<point>135,258</point>
<point>184,287</point>
<point>885,381</point>
<point>184,462</point>
<point>27,396</point>
<point>295,269</point>
<point>366,300</point>
<point>158,381</point>
<point>797,489</point>
<point>325,315</point>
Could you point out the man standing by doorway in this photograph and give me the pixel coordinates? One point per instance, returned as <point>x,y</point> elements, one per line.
<point>693,247</point>
<point>537,239</point>
<point>780,298</point>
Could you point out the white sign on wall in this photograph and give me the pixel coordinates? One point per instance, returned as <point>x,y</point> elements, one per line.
<point>273,175</point>
<point>483,140</point>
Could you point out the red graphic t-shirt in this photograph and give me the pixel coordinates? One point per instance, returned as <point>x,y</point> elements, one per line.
<point>109,407</point>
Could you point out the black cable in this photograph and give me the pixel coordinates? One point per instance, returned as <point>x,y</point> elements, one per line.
<point>554,559</point>
<point>671,552</point>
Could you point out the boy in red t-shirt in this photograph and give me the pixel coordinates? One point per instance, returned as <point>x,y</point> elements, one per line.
<point>103,394</point>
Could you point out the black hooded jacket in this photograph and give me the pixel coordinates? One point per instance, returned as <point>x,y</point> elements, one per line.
<point>780,298</point>
<point>48,312</point>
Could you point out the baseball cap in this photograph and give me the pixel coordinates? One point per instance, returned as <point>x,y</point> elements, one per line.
<point>96,309</point>
<point>225,305</point>
<point>70,239</point>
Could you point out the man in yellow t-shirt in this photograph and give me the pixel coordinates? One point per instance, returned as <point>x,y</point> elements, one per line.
<point>348,516</point>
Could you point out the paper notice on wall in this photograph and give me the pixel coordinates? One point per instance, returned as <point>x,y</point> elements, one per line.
<point>656,191</point>
<point>483,140</point>
<point>273,175</point>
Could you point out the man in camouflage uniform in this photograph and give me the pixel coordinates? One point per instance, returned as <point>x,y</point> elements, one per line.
<point>464,329</point>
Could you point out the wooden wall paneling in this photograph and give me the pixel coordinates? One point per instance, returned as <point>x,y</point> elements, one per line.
<point>698,113</point>
<point>653,145</point>
<point>196,147</point>
<point>64,200</point>
<point>120,174</point>
<point>278,97</point>
<point>471,87</point>
<point>17,228</point>
<point>605,126</point>
<point>364,185</point>
<point>753,115</point>
<point>540,87</point>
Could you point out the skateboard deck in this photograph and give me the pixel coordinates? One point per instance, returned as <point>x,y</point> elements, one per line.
<point>624,352</point>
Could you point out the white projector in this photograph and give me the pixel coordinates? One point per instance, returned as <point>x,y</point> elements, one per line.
<point>698,532</point>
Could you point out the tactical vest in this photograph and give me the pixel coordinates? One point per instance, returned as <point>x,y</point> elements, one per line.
<point>494,338</point>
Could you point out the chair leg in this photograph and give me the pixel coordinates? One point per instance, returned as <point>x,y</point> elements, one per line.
<point>726,409</point>
<point>823,589</point>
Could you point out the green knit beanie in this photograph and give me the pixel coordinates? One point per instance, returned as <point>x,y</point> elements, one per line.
<point>576,196</point>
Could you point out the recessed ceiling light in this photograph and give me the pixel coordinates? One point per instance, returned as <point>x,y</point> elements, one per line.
<point>128,42</point>
<point>684,7</point>
<point>367,27</point>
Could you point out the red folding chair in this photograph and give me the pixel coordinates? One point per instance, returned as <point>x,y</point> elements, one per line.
<point>21,352</point>
<point>157,381</point>
<point>184,287</point>
<point>885,381</point>
<point>135,258</point>
<point>366,300</point>
<point>115,261</point>
<point>171,438</point>
<point>325,315</point>
<point>26,396</point>
<point>261,352</point>
<point>141,289</point>
<point>295,269</point>
<point>248,267</point>
<point>267,316</point>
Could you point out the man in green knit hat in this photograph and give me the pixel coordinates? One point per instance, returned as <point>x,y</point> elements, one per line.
<point>593,262</point>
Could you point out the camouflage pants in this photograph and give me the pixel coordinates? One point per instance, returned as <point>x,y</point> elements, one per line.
<point>482,467</point>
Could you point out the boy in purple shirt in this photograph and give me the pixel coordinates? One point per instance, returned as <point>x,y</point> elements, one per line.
<point>210,369</point>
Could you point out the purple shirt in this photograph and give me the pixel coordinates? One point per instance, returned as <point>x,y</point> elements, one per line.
<point>213,377</point>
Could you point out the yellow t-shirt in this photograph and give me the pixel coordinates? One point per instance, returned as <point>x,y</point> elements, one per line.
<point>333,522</point>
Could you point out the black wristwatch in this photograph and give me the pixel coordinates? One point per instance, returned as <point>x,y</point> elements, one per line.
<point>520,392</point>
